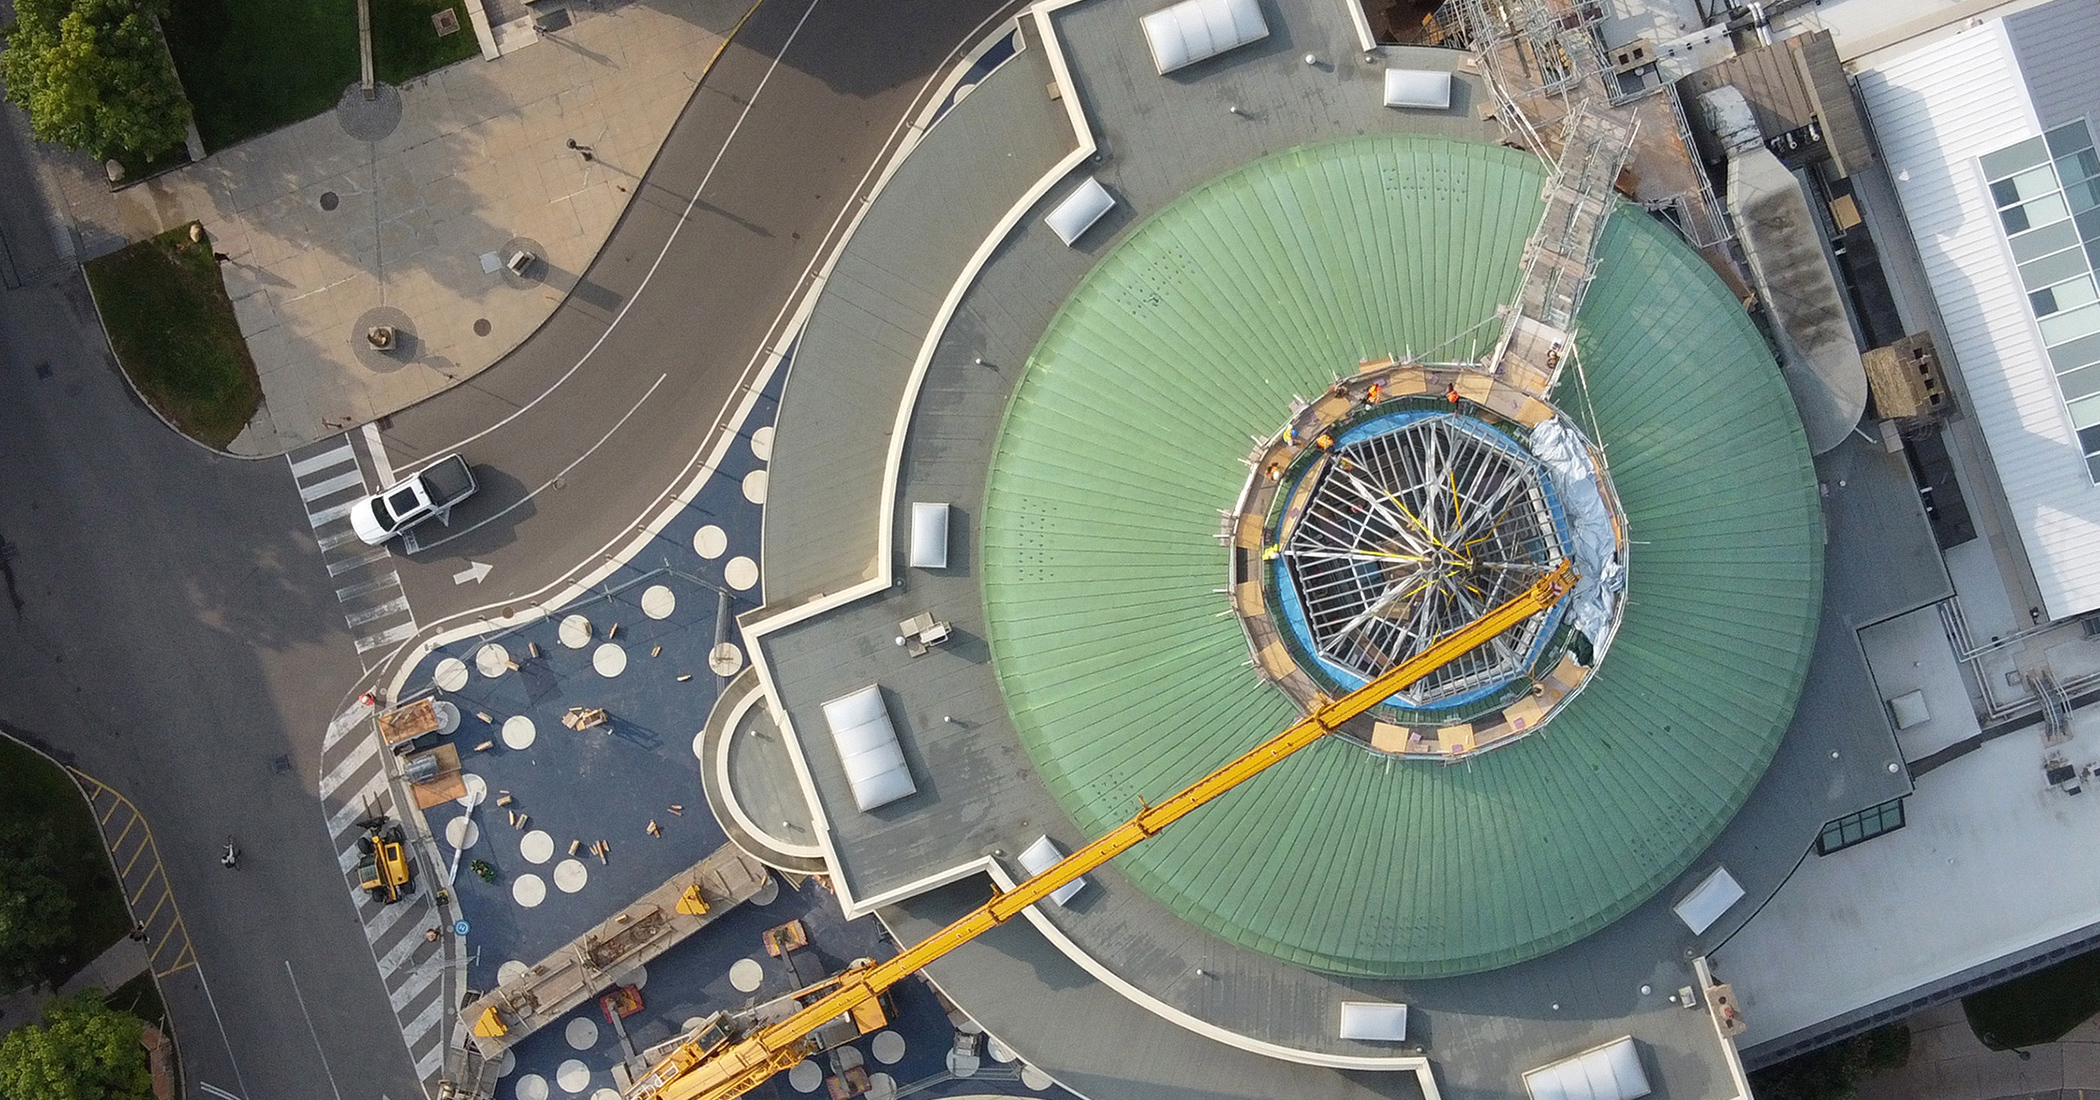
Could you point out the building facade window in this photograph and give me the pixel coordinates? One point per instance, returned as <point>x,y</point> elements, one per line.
<point>1860,827</point>
<point>2047,191</point>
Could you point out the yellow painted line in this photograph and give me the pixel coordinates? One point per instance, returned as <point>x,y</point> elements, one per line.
<point>148,884</point>
<point>164,896</point>
<point>119,838</point>
<point>178,930</point>
<point>126,872</point>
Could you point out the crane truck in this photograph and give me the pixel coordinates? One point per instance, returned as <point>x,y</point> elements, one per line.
<point>720,1062</point>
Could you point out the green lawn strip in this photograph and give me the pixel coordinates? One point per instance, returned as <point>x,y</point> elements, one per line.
<point>405,43</point>
<point>2041,1007</point>
<point>32,789</point>
<point>1834,1072</point>
<point>175,333</point>
<point>252,66</point>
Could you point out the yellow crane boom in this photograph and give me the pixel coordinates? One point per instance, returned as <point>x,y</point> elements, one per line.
<point>731,1069</point>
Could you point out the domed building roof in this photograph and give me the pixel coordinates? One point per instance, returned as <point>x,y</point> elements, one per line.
<point>1128,677</point>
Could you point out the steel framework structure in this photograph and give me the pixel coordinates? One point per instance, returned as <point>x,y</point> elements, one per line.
<point>1410,534</point>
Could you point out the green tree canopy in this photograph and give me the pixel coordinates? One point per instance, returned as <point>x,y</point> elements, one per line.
<point>35,909</point>
<point>93,75</point>
<point>84,1050</point>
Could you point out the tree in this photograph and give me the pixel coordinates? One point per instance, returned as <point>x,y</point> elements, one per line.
<point>93,75</point>
<point>35,909</point>
<point>84,1050</point>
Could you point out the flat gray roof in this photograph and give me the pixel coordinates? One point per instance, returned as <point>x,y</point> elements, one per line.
<point>978,793</point>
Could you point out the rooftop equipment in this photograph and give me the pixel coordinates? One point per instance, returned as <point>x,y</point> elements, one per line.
<point>1376,1021</point>
<point>1608,1072</point>
<point>1193,30</point>
<point>867,744</point>
<point>929,535</point>
<point>1711,898</point>
<point>1043,855</point>
<point>1418,88</point>
<point>1080,210</point>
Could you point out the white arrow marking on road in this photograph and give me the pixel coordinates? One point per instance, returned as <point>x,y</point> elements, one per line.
<point>217,1091</point>
<point>474,571</point>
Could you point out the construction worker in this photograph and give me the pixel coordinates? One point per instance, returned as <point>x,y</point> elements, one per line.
<point>1323,441</point>
<point>1374,395</point>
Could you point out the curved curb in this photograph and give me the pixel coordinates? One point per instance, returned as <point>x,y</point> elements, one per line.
<point>102,323</point>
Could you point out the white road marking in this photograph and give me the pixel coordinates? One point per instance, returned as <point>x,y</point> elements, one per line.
<point>388,917</point>
<point>312,463</point>
<point>338,568</point>
<point>355,807</point>
<point>650,275</point>
<point>310,1030</point>
<point>423,1021</point>
<point>330,514</point>
<point>364,588</point>
<point>386,637</point>
<point>475,571</point>
<point>416,984</point>
<point>358,757</point>
<point>381,468</point>
<point>360,618</point>
<point>430,1061</point>
<point>331,541</point>
<point>398,954</point>
<point>562,473</point>
<point>310,493</point>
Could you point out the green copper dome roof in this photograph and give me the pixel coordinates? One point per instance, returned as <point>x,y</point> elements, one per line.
<point>1104,573</point>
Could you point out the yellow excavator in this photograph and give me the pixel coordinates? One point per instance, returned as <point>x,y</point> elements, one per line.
<point>715,1063</point>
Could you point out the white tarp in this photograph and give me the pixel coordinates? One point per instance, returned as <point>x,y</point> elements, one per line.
<point>1705,904</point>
<point>1376,1021</point>
<point>1609,1072</point>
<point>1043,855</point>
<point>1192,30</point>
<point>929,535</point>
<point>1080,210</point>
<point>1595,550</point>
<point>1418,88</point>
<point>867,744</point>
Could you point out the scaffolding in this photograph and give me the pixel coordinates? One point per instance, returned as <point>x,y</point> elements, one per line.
<point>1561,257</point>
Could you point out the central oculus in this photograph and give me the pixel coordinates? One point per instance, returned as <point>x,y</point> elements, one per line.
<point>1406,502</point>
<point>1417,526</point>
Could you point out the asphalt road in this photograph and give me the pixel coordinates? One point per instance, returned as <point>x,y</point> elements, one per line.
<point>172,630</point>
<point>592,420</point>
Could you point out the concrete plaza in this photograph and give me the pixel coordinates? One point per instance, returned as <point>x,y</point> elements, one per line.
<point>399,210</point>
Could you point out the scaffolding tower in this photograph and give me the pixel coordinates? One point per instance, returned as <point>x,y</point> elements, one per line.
<point>1561,257</point>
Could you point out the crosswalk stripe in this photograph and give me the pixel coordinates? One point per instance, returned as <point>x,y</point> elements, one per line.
<point>336,484</point>
<point>335,538</point>
<point>330,514</point>
<point>386,637</point>
<point>366,588</point>
<point>354,808</point>
<point>423,1022</point>
<point>335,457</point>
<point>389,916</point>
<point>431,1061</point>
<point>349,766</point>
<point>394,606</point>
<point>416,984</point>
<point>399,953</point>
<point>338,568</point>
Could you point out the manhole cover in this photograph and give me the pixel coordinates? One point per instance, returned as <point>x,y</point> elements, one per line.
<point>482,327</point>
<point>330,200</point>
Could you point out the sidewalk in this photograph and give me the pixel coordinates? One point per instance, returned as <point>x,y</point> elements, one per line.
<point>402,211</point>
<point>122,962</point>
<point>1948,1062</point>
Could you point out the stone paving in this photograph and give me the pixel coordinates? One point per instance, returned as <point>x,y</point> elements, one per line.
<point>404,209</point>
<point>1948,1062</point>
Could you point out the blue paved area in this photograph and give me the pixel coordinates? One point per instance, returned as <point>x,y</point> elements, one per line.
<point>606,783</point>
<point>692,980</point>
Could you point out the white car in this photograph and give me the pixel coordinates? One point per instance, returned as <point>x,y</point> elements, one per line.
<point>428,494</point>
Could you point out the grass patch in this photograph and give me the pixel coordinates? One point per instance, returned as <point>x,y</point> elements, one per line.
<point>175,333</point>
<point>32,789</point>
<point>2041,1007</point>
<point>251,66</point>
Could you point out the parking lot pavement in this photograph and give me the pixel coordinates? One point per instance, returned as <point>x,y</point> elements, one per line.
<point>703,975</point>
